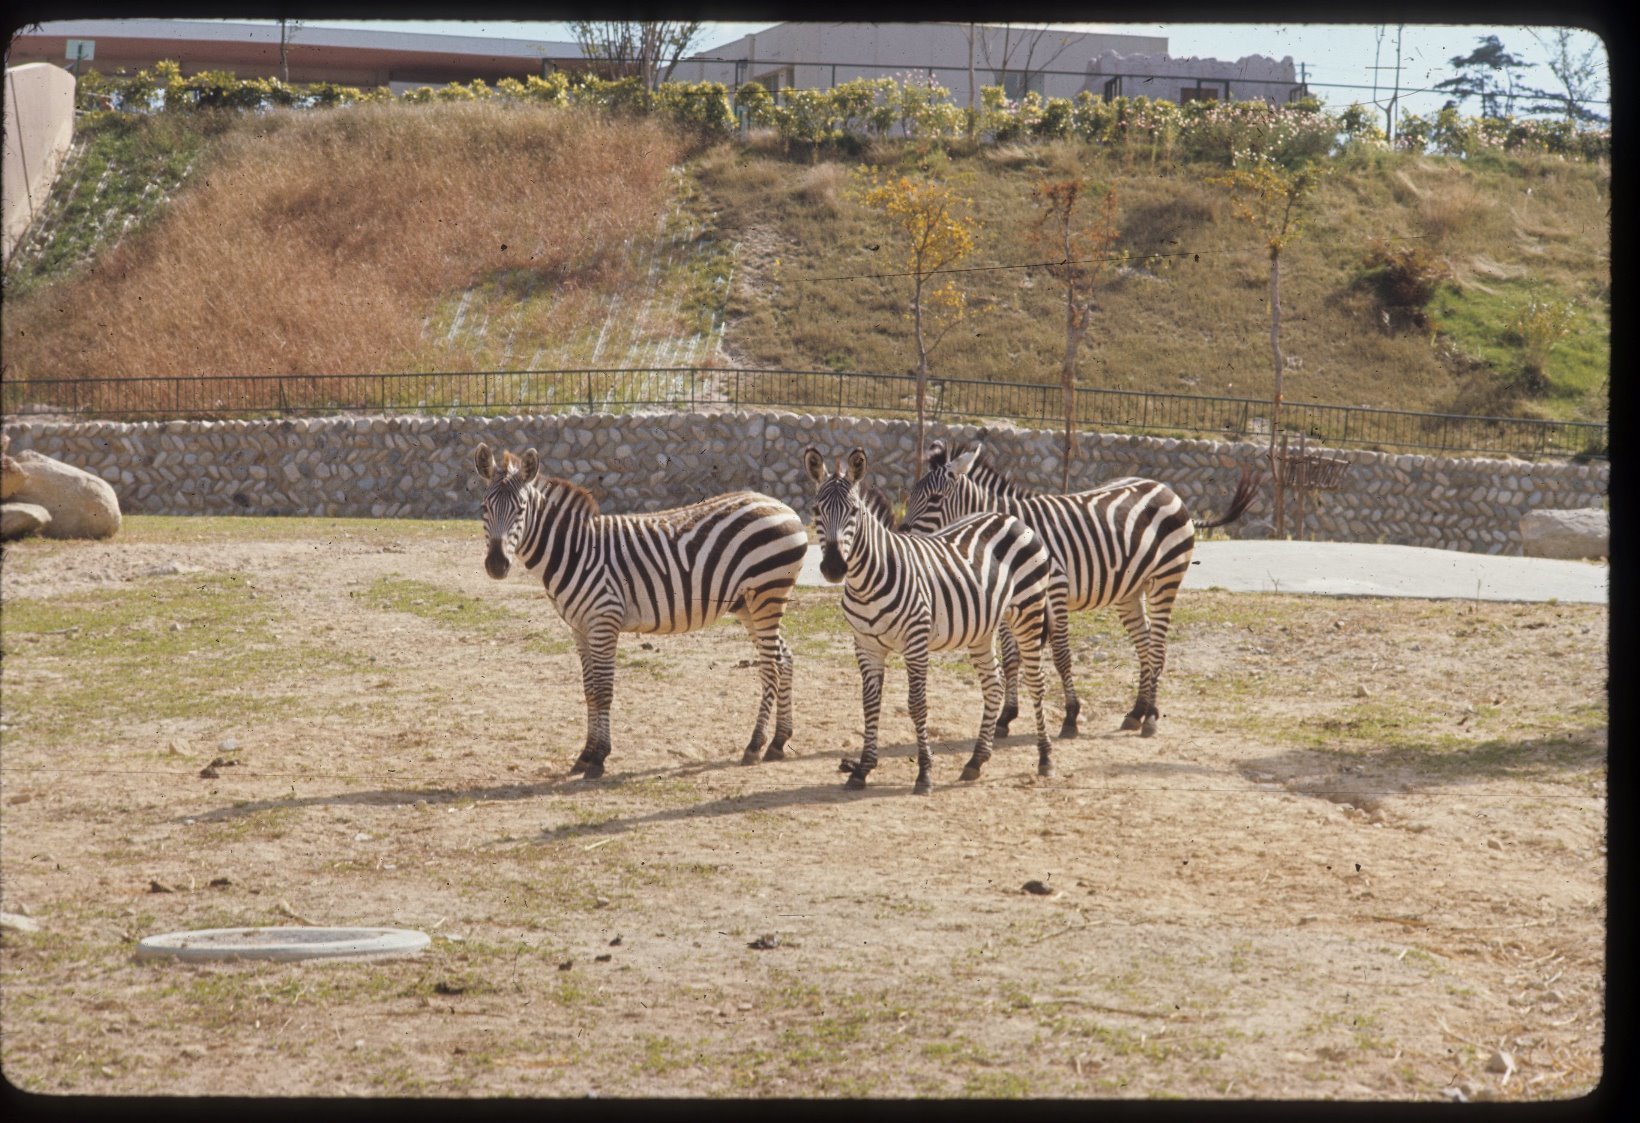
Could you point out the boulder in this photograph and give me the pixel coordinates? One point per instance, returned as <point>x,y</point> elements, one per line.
<point>82,505</point>
<point>11,473</point>
<point>1582,532</point>
<point>19,520</point>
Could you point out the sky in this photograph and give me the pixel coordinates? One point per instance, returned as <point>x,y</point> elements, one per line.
<point>1334,55</point>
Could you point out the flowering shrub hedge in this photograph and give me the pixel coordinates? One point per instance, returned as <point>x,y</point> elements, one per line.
<point>1226,134</point>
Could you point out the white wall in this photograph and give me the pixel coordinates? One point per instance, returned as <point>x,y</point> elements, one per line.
<point>38,131</point>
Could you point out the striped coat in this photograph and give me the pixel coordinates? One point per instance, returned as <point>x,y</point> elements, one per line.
<point>658,573</point>
<point>1125,543</point>
<point>912,595</point>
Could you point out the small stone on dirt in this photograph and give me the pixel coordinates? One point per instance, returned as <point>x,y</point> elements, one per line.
<point>1040,888</point>
<point>600,902</point>
<point>566,965</point>
<point>16,922</point>
<point>1501,1062</point>
<point>1361,691</point>
<point>604,958</point>
<point>160,887</point>
<point>615,943</point>
<point>765,942</point>
<point>219,882</point>
<point>195,1051</point>
<point>442,987</point>
<point>228,745</point>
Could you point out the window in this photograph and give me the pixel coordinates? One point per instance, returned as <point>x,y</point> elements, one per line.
<point>1198,93</point>
<point>1113,88</point>
<point>782,79</point>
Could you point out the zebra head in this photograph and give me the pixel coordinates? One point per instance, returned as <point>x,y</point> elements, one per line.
<point>837,509</point>
<point>942,495</point>
<point>505,504</point>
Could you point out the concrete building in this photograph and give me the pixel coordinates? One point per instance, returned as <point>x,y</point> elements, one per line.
<point>1114,74</point>
<point>398,60</point>
<point>820,55</point>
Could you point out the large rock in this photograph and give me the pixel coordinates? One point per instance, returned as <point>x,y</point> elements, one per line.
<point>11,473</point>
<point>82,505</point>
<point>19,520</point>
<point>1583,532</point>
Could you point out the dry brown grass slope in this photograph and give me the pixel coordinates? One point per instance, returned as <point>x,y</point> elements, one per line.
<point>321,242</point>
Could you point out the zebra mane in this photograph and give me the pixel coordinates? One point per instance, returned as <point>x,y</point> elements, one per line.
<point>578,495</point>
<point>984,472</point>
<point>876,501</point>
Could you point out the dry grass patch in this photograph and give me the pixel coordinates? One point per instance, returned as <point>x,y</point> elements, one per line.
<point>348,219</point>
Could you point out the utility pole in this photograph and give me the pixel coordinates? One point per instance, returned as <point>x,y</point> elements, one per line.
<point>1395,97</point>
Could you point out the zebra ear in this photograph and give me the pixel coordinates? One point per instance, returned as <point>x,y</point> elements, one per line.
<point>484,461</point>
<point>961,464</point>
<point>531,464</point>
<point>936,453</point>
<point>856,465</point>
<point>815,464</point>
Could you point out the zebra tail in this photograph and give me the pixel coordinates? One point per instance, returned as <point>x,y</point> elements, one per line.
<point>1246,490</point>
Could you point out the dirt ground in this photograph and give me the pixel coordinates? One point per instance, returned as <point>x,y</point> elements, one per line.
<point>1364,858</point>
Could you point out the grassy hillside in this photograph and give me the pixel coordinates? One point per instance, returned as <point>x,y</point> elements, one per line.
<point>488,236</point>
<point>1195,321</point>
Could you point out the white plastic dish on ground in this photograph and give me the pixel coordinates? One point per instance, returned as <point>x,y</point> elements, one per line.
<point>283,943</point>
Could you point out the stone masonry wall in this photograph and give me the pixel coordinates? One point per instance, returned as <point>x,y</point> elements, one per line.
<point>421,467</point>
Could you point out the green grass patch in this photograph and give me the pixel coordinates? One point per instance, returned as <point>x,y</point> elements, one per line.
<point>1476,320</point>
<point>432,602</point>
<point>121,171</point>
<point>175,647</point>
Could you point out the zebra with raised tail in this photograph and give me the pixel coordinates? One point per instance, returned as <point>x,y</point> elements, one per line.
<point>1125,543</point>
<point>913,594</point>
<point>660,573</point>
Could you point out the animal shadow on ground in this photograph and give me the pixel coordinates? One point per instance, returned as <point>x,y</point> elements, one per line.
<point>615,781</point>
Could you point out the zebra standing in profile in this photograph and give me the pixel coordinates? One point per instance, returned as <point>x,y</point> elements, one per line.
<point>1126,542</point>
<point>660,573</point>
<point>914,594</point>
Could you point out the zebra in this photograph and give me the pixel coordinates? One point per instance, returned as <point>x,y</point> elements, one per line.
<point>914,594</point>
<point>660,573</point>
<point>1125,543</point>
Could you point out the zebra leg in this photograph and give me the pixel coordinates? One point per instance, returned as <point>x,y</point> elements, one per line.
<point>597,649</point>
<point>1010,679</point>
<point>1160,600</point>
<point>1059,640</point>
<point>1137,624</point>
<point>768,674</point>
<point>916,671</point>
<point>871,699</point>
<point>1030,652</point>
<point>984,659</point>
<point>783,705</point>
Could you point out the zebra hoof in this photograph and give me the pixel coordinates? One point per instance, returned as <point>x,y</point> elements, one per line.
<point>969,774</point>
<point>775,752</point>
<point>1148,729</point>
<point>1068,730</point>
<point>922,787</point>
<point>594,771</point>
<point>749,757</point>
<point>855,783</point>
<point>1001,731</point>
<point>580,765</point>
<point>1045,770</point>
<point>1130,722</point>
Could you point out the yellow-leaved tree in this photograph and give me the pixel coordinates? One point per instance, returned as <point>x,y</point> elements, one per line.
<point>936,231</point>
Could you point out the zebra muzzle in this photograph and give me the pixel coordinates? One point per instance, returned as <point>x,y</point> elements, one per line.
<point>495,561</point>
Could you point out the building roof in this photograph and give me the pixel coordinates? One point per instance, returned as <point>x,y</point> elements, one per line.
<point>195,31</point>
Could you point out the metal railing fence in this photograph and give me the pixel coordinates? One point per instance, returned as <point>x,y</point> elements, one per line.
<point>813,391</point>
